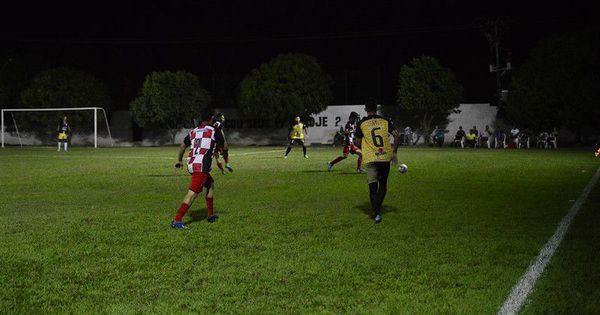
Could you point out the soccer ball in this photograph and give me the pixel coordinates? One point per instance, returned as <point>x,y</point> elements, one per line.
<point>402,168</point>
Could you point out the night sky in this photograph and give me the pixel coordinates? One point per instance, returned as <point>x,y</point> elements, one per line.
<point>361,44</point>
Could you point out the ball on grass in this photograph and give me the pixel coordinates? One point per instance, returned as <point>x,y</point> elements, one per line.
<point>402,168</point>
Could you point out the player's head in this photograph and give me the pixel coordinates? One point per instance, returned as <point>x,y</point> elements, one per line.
<point>220,117</point>
<point>64,118</point>
<point>459,127</point>
<point>297,119</point>
<point>354,116</point>
<point>371,106</point>
<point>207,115</point>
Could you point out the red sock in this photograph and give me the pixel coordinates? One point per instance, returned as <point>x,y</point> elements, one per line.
<point>359,162</point>
<point>339,158</point>
<point>182,211</point>
<point>220,165</point>
<point>209,205</point>
<point>226,159</point>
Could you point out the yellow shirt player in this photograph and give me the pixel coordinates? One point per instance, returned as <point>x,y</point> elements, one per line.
<point>296,135</point>
<point>372,135</point>
<point>63,130</point>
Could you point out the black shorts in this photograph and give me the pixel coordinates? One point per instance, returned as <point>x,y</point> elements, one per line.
<point>297,141</point>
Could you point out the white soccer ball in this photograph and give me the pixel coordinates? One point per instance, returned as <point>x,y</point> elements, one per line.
<point>402,168</point>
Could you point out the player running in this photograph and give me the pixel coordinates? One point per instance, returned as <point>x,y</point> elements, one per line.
<point>296,135</point>
<point>202,141</point>
<point>63,130</point>
<point>221,150</point>
<point>349,146</point>
<point>377,153</point>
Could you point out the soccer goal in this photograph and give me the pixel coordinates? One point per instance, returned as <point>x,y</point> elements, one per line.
<point>94,109</point>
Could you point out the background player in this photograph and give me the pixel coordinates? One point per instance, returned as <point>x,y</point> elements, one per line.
<point>63,130</point>
<point>221,150</point>
<point>349,146</point>
<point>296,135</point>
<point>377,153</point>
<point>202,141</point>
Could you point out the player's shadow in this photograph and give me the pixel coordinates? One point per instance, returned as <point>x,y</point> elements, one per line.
<point>365,208</point>
<point>196,216</point>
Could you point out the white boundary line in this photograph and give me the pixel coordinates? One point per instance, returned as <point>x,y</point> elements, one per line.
<point>524,287</point>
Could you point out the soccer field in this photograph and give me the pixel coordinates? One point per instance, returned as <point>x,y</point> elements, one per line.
<point>88,232</point>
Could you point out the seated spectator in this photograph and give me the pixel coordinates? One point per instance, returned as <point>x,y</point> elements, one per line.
<point>475,131</point>
<point>471,139</point>
<point>524,139</point>
<point>499,139</point>
<point>514,135</point>
<point>484,137</point>
<point>459,138</point>
<point>542,140</point>
<point>438,137</point>
<point>552,137</point>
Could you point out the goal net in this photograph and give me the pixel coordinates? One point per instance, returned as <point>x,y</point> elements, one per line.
<point>40,122</point>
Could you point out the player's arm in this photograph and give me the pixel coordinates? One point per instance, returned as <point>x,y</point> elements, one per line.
<point>186,143</point>
<point>305,130</point>
<point>358,135</point>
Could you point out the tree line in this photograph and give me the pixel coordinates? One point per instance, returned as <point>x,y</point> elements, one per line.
<point>555,87</point>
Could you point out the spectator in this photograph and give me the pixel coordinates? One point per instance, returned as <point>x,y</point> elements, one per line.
<point>500,139</point>
<point>484,137</point>
<point>471,139</point>
<point>514,135</point>
<point>438,137</point>
<point>408,135</point>
<point>459,138</point>
<point>552,138</point>
<point>542,140</point>
<point>475,131</point>
<point>524,139</point>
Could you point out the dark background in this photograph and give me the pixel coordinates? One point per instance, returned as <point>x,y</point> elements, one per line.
<point>361,44</point>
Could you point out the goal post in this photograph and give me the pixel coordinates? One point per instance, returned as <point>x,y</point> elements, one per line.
<point>94,109</point>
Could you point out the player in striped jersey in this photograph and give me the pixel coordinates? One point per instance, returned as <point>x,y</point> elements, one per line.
<point>202,141</point>
<point>349,146</point>
<point>221,150</point>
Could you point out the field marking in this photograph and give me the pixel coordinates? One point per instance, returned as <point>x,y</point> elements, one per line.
<point>524,287</point>
<point>66,156</point>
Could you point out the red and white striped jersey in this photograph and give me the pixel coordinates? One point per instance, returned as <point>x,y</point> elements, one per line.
<point>201,141</point>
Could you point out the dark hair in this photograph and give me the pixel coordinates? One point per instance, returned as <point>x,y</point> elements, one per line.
<point>371,105</point>
<point>219,115</point>
<point>207,114</point>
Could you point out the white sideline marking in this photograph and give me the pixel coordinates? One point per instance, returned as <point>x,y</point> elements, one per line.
<point>525,286</point>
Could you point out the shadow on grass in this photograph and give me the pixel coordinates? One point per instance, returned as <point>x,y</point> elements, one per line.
<point>365,207</point>
<point>196,216</point>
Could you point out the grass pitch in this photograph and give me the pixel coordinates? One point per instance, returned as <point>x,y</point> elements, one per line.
<point>88,232</point>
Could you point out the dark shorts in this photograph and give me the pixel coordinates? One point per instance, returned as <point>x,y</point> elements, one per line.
<point>199,181</point>
<point>377,172</point>
<point>297,141</point>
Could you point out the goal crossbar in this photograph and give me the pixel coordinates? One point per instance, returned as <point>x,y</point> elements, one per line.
<point>95,109</point>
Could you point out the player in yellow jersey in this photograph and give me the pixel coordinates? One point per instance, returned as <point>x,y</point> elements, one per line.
<point>296,135</point>
<point>372,135</point>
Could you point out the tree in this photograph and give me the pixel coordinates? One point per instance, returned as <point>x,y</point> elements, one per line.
<point>61,87</point>
<point>169,101</point>
<point>557,85</point>
<point>288,85</point>
<point>427,94</point>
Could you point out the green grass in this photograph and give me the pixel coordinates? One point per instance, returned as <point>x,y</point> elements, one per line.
<point>88,232</point>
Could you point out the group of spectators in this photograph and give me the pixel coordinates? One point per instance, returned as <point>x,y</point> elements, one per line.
<point>499,139</point>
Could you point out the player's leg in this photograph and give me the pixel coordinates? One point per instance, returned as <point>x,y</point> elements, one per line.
<point>372,176</point>
<point>339,158</point>
<point>66,143</point>
<point>303,148</point>
<point>59,139</point>
<point>289,148</point>
<point>196,184</point>
<point>209,187</point>
<point>355,150</point>
<point>226,159</point>
<point>219,164</point>
<point>383,170</point>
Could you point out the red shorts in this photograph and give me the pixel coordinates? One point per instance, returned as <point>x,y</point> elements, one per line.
<point>199,181</point>
<point>350,148</point>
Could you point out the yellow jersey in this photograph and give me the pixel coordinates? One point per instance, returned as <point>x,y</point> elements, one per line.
<point>297,131</point>
<point>375,145</point>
